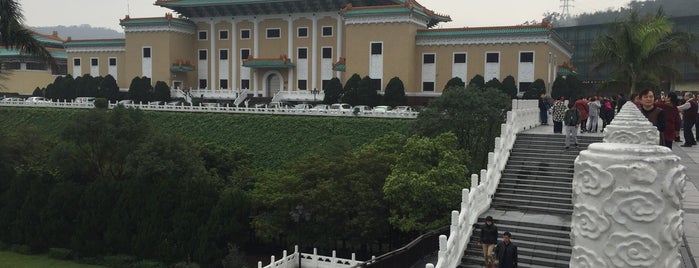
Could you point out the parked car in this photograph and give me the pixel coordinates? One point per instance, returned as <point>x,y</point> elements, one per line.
<point>174,103</point>
<point>12,100</point>
<point>404,109</point>
<point>382,109</point>
<point>342,107</point>
<point>156,102</point>
<point>37,100</point>
<point>302,106</point>
<point>278,105</point>
<point>84,100</point>
<point>360,109</point>
<point>320,108</point>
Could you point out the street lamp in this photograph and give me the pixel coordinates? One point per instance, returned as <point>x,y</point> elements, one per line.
<point>298,214</point>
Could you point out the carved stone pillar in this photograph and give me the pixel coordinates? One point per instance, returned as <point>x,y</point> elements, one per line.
<point>627,199</point>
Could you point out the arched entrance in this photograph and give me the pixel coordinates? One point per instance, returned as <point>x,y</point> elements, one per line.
<point>273,83</point>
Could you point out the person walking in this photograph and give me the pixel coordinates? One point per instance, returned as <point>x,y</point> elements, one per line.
<point>488,239</point>
<point>672,118</point>
<point>689,117</point>
<point>583,108</point>
<point>558,111</point>
<point>506,252</point>
<point>544,109</point>
<point>593,114</point>
<point>571,119</point>
<point>620,102</point>
<point>606,113</point>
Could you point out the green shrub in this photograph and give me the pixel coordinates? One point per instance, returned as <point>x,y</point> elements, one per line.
<point>101,103</point>
<point>186,265</point>
<point>118,261</point>
<point>22,249</point>
<point>148,264</point>
<point>60,253</point>
<point>4,246</point>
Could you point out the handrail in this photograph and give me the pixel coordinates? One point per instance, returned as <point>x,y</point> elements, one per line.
<point>405,256</point>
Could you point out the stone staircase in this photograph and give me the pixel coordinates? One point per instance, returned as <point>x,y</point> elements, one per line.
<point>534,201</point>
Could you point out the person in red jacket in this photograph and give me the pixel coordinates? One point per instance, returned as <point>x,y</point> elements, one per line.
<point>581,105</point>
<point>672,118</point>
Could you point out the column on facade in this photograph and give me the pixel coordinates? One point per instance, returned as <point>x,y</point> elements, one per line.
<point>339,42</point>
<point>627,197</point>
<point>213,56</point>
<point>314,49</point>
<point>234,55</point>
<point>255,53</point>
<point>290,53</point>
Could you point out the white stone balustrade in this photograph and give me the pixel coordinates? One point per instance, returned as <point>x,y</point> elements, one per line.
<point>310,260</point>
<point>627,197</point>
<point>477,200</point>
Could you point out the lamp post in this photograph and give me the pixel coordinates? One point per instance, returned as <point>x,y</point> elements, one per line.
<point>297,215</point>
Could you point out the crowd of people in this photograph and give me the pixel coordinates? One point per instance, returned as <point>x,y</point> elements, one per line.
<point>670,114</point>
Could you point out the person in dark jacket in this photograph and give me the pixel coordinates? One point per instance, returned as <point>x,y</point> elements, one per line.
<point>488,239</point>
<point>672,118</point>
<point>506,252</point>
<point>654,114</point>
<point>544,109</point>
<point>571,121</point>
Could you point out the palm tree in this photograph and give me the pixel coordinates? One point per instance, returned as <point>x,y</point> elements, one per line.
<point>643,48</point>
<point>13,35</point>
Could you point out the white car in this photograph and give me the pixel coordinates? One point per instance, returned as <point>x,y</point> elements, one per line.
<point>37,100</point>
<point>341,107</point>
<point>382,109</point>
<point>302,106</point>
<point>404,109</point>
<point>12,100</point>
<point>361,109</point>
<point>320,108</point>
<point>84,100</point>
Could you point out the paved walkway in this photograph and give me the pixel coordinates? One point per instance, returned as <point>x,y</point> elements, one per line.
<point>690,159</point>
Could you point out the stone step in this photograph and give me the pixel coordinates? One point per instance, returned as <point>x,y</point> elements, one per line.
<point>525,208</point>
<point>542,205</point>
<point>518,185</point>
<point>555,136</point>
<point>538,160</point>
<point>539,239</point>
<point>523,261</point>
<point>531,248</point>
<point>566,194</point>
<point>531,176</point>
<point>551,140</point>
<point>527,196</point>
<point>538,173</point>
<point>523,180</point>
<point>544,167</point>
<point>549,150</point>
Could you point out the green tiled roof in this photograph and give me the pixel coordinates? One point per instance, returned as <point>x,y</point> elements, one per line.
<point>268,64</point>
<point>208,8</point>
<point>92,43</point>
<point>157,21</point>
<point>15,53</point>
<point>565,71</point>
<point>190,3</point>
<point>43,39</point>
<point>340,68</point>
<point>481,31</point>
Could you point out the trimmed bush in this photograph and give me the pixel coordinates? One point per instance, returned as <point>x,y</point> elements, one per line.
<point>60,253</point>
<point>186,265</point>
<point>148,264</point>
<point>118,261</point>
<point>22,249</point>
<point>4,246</point>
<point>101,103</point>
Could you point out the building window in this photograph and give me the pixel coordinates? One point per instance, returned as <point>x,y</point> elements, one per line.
<point>460,58</point>
<point>244,53</point>
<point>427,58</point>
<point>427,86</point>
<point>203,35</point>
<point>524,86</point>
<point>526,57</point>
<point>274,33</point>
<point>245,34</point>
<point>223,83</point>
<point>112,61</point>
<point>327,31</point>
<point>146,52</point>
<point>302,84</point>
<point>76,61</point>
<point>302,32</point>
<point>327,53</point>
<point>203,55</point>
<point>202,83</point>
<point>245,83</point>
<point>94,62</point>
<point>302,53</point>
<point>223,35</point>
<point>492,57</point>
<point>376,48</point>
<point>223,54</point>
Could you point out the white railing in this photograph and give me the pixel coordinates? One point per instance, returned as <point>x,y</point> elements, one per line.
<point>241,97</point>
<point>301,95</point>
<point>310,261</point>
<point>221,109</point>
<point>477,200</point>
<point>219,94</point>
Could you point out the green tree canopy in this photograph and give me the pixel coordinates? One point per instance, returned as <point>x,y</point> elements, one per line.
<point>455,82</point>
<point>560,89</point>
<point>395,93</point>
<point>478,81</point>
<point>333,91</point>
<point>367,93</point>
<point>509,86</point>
<point>537,88</point>
<point>161,92</point>
<point>350,91</point>
<point>493,83</point>
<point>643,47</point>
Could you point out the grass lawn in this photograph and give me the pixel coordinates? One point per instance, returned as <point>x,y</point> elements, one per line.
<point>15,260</point>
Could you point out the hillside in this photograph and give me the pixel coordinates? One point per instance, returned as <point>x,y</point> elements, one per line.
<point>84,31</point>
<point>271,139</point>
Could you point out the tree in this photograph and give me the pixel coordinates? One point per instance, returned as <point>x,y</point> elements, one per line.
<point>494,83</point>
<point>333,91</point>
<point>643,48</point>
<point>349,92</point>
<point>140,89</point>
<point>575,86</point>
<point>535,90</point>
<point>38,92</point>
<point>509,86</point>
<point>560,89</point>
<point>109,88</point>
<point>13,35</point>
<point>367,93</point>
<point>478,81</point>
<point>161,91</point>
<point>426,181</point>
<point>455,82</point>
<point>474,116</point>
<point>395,93</point>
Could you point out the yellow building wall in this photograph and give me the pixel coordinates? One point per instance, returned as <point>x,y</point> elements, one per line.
<point>24,82</point>
<point>273,47</point>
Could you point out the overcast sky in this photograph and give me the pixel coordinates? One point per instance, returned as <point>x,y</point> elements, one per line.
<point>106,13</point>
